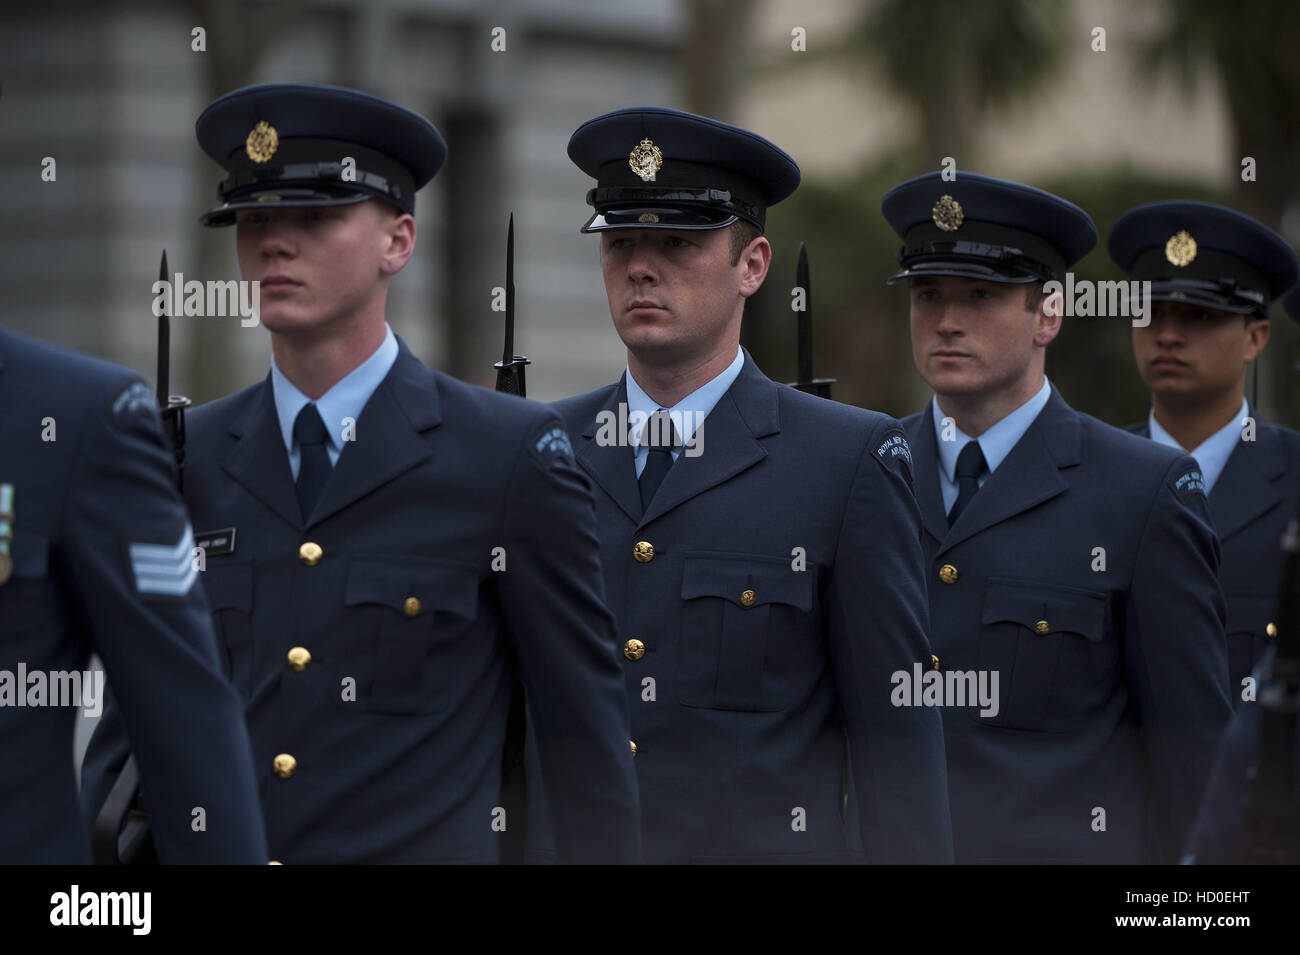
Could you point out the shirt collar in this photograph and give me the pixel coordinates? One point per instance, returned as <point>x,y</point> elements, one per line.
<point>345,399</point>
<point>689,413</point>
<point>996,443</point>
<point>1211,454</point>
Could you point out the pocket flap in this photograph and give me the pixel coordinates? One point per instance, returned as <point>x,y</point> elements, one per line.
<point>1250,613</point>
<point>438,586</point>
<point>229,586</point>
<point>747,580</point>
<point>1045,609</point>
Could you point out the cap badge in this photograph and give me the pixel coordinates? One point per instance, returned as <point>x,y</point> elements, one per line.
<point>646,160</point>
<point>647,217</point>
<point>262,142</point>
<point>947,214</point>
<point>1180,250</point>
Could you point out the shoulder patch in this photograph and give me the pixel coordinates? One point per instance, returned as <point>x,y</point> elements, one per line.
<point>1188,485</point>
<point>894,451</point>
<point>133,406</point>
<point>552,443</point>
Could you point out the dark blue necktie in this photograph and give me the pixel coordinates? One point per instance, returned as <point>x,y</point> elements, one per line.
<point>314,460</point>
<point>970,465</point>
<point>660,437</point>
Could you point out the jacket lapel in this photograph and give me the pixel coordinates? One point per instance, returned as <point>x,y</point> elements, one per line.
<point>259,461</point>
<point>1029,475</point>
<point>610,463</point>
<point>727,445</point>
<point>388,438</point>
<point>925,476</point>
<point>728,441</point>
<point>1244,489</point>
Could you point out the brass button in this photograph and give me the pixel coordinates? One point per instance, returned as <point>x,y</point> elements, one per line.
<point>299,657</point>
<point>310,553</point>
<point>634,649</point>
<point>934,658</point>
<point>1271,629</point>
<point>632,743</point>
<point>747,598</point>
<point>285,765</point>
<point>948,574</point>
<point>643,551</point>
<point>1041,627</point>
<point>411,606</point>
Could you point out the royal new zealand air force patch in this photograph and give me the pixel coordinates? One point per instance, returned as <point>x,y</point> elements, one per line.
<point>552,444</point>
<point>894,452</point>
<point>1189,485</point>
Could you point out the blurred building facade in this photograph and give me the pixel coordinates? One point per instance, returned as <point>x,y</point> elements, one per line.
<point>111,92</point>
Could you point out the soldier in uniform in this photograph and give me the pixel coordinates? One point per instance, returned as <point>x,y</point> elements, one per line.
<point>1222,833</point>
<point>760,545</point>
<point>387,544</point>
<point>1074,561</point>
<point>96,556</point>
<point>1213,273</point>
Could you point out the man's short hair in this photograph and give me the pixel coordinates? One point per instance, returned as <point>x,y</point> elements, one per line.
<point>1033,296</point>
<point>743,232</point>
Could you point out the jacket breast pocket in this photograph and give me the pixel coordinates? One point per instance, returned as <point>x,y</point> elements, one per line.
<point>413,610</point>
<point>31,597</point>
<point>1048,645</point>
<point>749,637</point>
<point>229,588</point>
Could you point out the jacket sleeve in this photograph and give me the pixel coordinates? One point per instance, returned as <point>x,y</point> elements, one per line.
<point>1175,656</point>
<point>563,637</point>
<point>878,625</point>
<point>128,558</point>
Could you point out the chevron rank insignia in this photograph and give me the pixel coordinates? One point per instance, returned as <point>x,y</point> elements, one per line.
<point>164,570</point>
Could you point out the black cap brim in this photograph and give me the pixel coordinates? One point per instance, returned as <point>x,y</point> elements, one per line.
<point>966,270</point>
<point>224,214</point>
<point>659,217</point>
<point>1187,294</point>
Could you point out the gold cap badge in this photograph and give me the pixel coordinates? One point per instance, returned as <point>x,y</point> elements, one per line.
<point>1180,250</point>
<point>262,142</point>
<point>947,214</point>
<point>647,217</point>
<point>646,160</point>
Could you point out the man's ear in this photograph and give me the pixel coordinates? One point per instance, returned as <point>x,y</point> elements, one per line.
<point>754,263</point>
<point>399,235</point>
<point>1257,334</point>
<point>1048,318</point>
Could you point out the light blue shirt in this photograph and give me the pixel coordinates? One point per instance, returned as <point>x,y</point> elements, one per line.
<point>996,442</point>
<point>344,400</point>
<point>687,415</point>
<point>1211,454</point>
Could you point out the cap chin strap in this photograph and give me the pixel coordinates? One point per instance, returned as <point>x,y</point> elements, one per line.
<point>310,172</point>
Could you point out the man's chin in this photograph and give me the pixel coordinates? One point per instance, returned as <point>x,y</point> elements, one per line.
<point>957,384</point>
<point>289,323</point>
<point>653,348</point>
